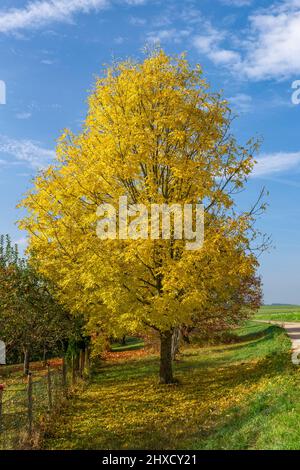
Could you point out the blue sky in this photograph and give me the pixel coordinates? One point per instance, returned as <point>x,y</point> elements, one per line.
<point>51,50</point>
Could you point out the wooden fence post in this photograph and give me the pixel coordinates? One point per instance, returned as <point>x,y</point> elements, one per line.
<point>49,382</point>
<point>29,403</point>
<point>1,402</point>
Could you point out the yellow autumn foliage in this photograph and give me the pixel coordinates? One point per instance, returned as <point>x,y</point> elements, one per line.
<point>155,133</point>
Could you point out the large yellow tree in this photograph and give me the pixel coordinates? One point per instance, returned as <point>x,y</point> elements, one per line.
<point>156,134</point>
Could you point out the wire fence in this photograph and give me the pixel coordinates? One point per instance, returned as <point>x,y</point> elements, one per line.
<point>27,402</point>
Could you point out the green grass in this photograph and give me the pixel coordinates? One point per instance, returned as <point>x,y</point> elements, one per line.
<point>244,395</point>
<point>279,313</point>
<point>131,344</point>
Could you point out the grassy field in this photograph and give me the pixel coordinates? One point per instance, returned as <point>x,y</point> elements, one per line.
<point>279,312</point>
<point>243,395</point>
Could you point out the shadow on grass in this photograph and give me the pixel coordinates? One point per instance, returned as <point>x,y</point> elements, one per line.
<point>124,407</point>
<point>269,332</point>
<point>131,344</point>
<point>213,358</point>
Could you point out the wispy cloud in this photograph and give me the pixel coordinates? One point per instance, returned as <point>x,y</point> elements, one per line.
<point>119,40</point>
<point>268,48</point>
<point>41,12</point>
<point>38,13</point>
<point>237,3</point>
<point>27,151</point>
<point>275,163</point>
<point>241,102</point>
<point>166,35</point>
<point>47,62</point>
<point>210,44</point>
<point>273,50</point>
<point>136,21</point>
<point>285,181</point>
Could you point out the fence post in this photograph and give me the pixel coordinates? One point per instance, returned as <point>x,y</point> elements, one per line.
<point>49,380</point>
<point>1,401</point>
<point>29,403</point>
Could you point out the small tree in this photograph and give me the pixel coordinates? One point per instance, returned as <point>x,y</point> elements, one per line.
<point>30,318</point>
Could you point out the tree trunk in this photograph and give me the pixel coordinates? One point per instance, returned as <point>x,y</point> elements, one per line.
<point>73,369</point>
<point>26,361</point>
<point>82,362</point>
<point>107,343</point>
<point>166,372</point>
<point>185,334</point>
<point>175,342</point>
<point>45,356</point>
<point>76,357</point>
<point>88,361</point>
<point>64,374</point>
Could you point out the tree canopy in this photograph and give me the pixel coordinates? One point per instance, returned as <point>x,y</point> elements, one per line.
<point>154,133</point>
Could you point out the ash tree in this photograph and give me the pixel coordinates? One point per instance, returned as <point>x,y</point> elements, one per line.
<point>154,133</point>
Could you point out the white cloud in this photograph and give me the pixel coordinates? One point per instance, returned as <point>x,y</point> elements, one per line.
<point>210,45</point>
<point>241,102</point>
<point>237,3</point>
<point>41,12</point>
<point>224,56</point>
<point>208,41</point>
<point>269,48</point>
<point>166,35</point>
<point>274,50</point>
<point>27,151</point>
<point>38,13</point>
<point>280,180</point>
<point>276,163</point>
<point>47,62</point>
<point>135,2</point>
<point>119,40</point>
<point>136,21</point>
